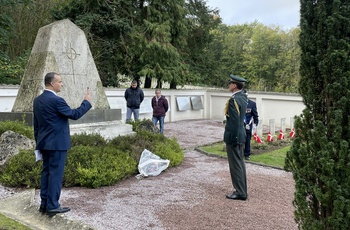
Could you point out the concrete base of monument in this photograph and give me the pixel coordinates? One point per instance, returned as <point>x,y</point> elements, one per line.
<point>107,129</point>
<point>107,122</point>
<point>92,116</point>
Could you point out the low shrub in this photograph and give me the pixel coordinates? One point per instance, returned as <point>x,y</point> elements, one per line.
<point>157,143</point>
<point>93,167</point>
<point>85,139</point>
<point>18,127</point>
<point>92,161</point>
<point>21,170</point>
<point>144,125</point>
<point>169,150</point>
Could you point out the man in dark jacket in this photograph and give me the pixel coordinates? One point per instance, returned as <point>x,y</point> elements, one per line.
<point>251,120</point>
<point>51,133</point>
<point>133,96</point>
<point>234,137</point>
<point>160,107</point>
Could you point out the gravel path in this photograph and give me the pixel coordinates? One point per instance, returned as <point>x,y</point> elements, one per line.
<point>6,192</point>
<point>190,196</point>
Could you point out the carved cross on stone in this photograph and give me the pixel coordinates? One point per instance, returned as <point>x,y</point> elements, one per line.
<point>72,55</point>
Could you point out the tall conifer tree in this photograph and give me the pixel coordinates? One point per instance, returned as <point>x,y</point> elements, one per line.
<point>320,156</point>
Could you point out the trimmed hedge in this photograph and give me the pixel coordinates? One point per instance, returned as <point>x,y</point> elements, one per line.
<point>157,143</point>
<point>21,170</point>
<point>94,167</point>
<point>88,140</point>
<point>18,127</point>
<point>92,161</point>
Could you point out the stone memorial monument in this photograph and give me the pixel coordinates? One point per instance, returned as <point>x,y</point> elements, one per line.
<point>62,47</point>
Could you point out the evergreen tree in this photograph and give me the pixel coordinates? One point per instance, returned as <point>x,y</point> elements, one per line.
<point>16,37</point>
<point>197,54</point>
<point>158,39</point>
<point>107,25</point>
<point>320,156</point>
<point>134,37</point>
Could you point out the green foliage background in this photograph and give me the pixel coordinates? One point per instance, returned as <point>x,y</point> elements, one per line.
<point>175,41</point>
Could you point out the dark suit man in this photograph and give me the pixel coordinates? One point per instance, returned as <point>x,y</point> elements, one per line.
<point>234,137</point>
<point>251,120</point>
<point>52,136</point>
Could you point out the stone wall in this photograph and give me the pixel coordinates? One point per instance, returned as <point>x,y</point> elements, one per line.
<point>270,105</point>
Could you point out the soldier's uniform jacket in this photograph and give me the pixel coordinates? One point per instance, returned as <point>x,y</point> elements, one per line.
<point>251,114</point>
<point>235,111</point>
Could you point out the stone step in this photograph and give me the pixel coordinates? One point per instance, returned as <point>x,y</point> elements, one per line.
<point>21,208</point>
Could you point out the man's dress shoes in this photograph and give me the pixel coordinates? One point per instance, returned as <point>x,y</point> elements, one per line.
<point>236,196</point>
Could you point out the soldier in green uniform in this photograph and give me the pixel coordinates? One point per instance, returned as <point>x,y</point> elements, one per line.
<point>234,137</point>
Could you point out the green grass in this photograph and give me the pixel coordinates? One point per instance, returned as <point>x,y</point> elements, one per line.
<point>217,149</point>
<point>9,224</point>
<point>273,158</point>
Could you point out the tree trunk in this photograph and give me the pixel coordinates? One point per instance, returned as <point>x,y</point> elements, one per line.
<point>159,84</point>
<point>172,85</point>
<point>148,83</point>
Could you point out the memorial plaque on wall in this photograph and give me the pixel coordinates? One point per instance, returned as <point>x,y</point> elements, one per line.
<point>197,103</point>
<point>146,105</point>
<point>183,103</point>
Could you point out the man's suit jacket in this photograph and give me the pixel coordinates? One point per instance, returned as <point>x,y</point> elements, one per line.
<point>251,112</point>
<point>234,129</point>
<point>51,126</point>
